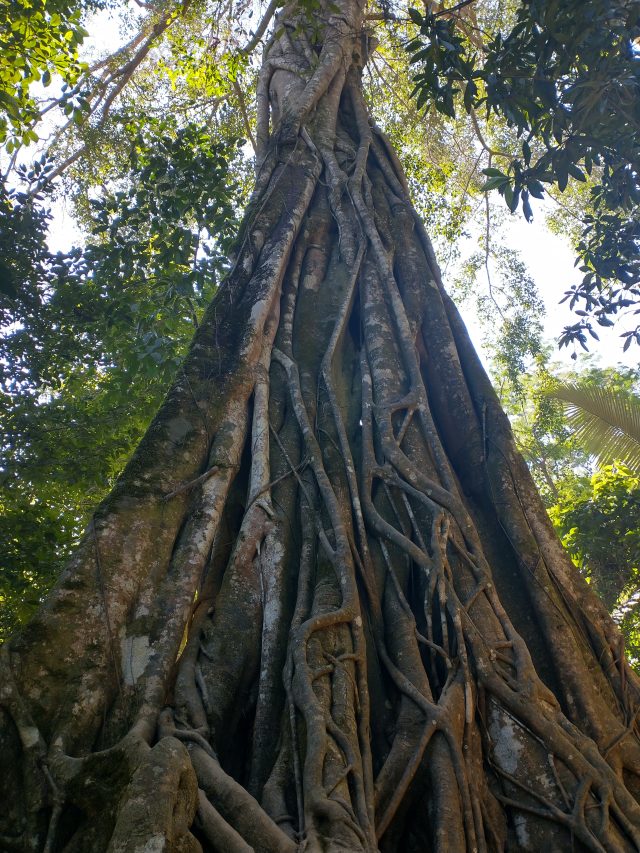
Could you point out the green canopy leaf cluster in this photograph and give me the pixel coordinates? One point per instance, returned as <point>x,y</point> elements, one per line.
<point>39,41</point>
<point>565,77</point>
<point>92,337</point>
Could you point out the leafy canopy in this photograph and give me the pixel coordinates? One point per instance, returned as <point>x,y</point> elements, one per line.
<point>93,337</point>
<point>599,528</point>
<point>39,40</point>
<point>565,77</point>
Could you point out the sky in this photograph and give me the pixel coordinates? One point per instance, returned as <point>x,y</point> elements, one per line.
<point>549,258</point>
<point>551,261</point>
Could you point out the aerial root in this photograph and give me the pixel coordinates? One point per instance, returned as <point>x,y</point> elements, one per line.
<point>237,807</point>
<point>222,837</point>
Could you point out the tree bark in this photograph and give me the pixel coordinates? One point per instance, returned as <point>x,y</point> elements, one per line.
<point>323,608</point>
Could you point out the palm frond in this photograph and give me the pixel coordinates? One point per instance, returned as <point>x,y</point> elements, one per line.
<point>606,422</point>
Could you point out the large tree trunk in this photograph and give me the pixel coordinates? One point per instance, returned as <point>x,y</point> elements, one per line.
<point>323,608</point>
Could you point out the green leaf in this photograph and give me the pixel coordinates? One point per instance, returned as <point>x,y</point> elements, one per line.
<point>494,182</point>
<point>575,172</point>
<point>562,174</point>
<point>605,421</point>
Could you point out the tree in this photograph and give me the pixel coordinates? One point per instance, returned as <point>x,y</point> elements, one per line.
<point>323,607</point>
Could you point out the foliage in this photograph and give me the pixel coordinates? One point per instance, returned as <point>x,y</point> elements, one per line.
<point>606,422</point>
<point>24,256</point>
<point>566,78</point>
<point>600,529</point>
<point>555,458</point>
<point>165,234</point>
<point>93,337</point>
<point>595,510</point>
<point>509,310</point>
<point>555,453</point>
<point>38,40</point>
<point>59,455</point>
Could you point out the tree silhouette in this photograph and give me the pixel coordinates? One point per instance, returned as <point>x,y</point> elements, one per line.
<point>323,608</point>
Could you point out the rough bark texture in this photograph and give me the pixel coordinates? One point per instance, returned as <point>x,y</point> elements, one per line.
<point>323,608</point>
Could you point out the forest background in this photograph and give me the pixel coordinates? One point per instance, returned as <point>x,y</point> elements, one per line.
<point>150,145</point>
